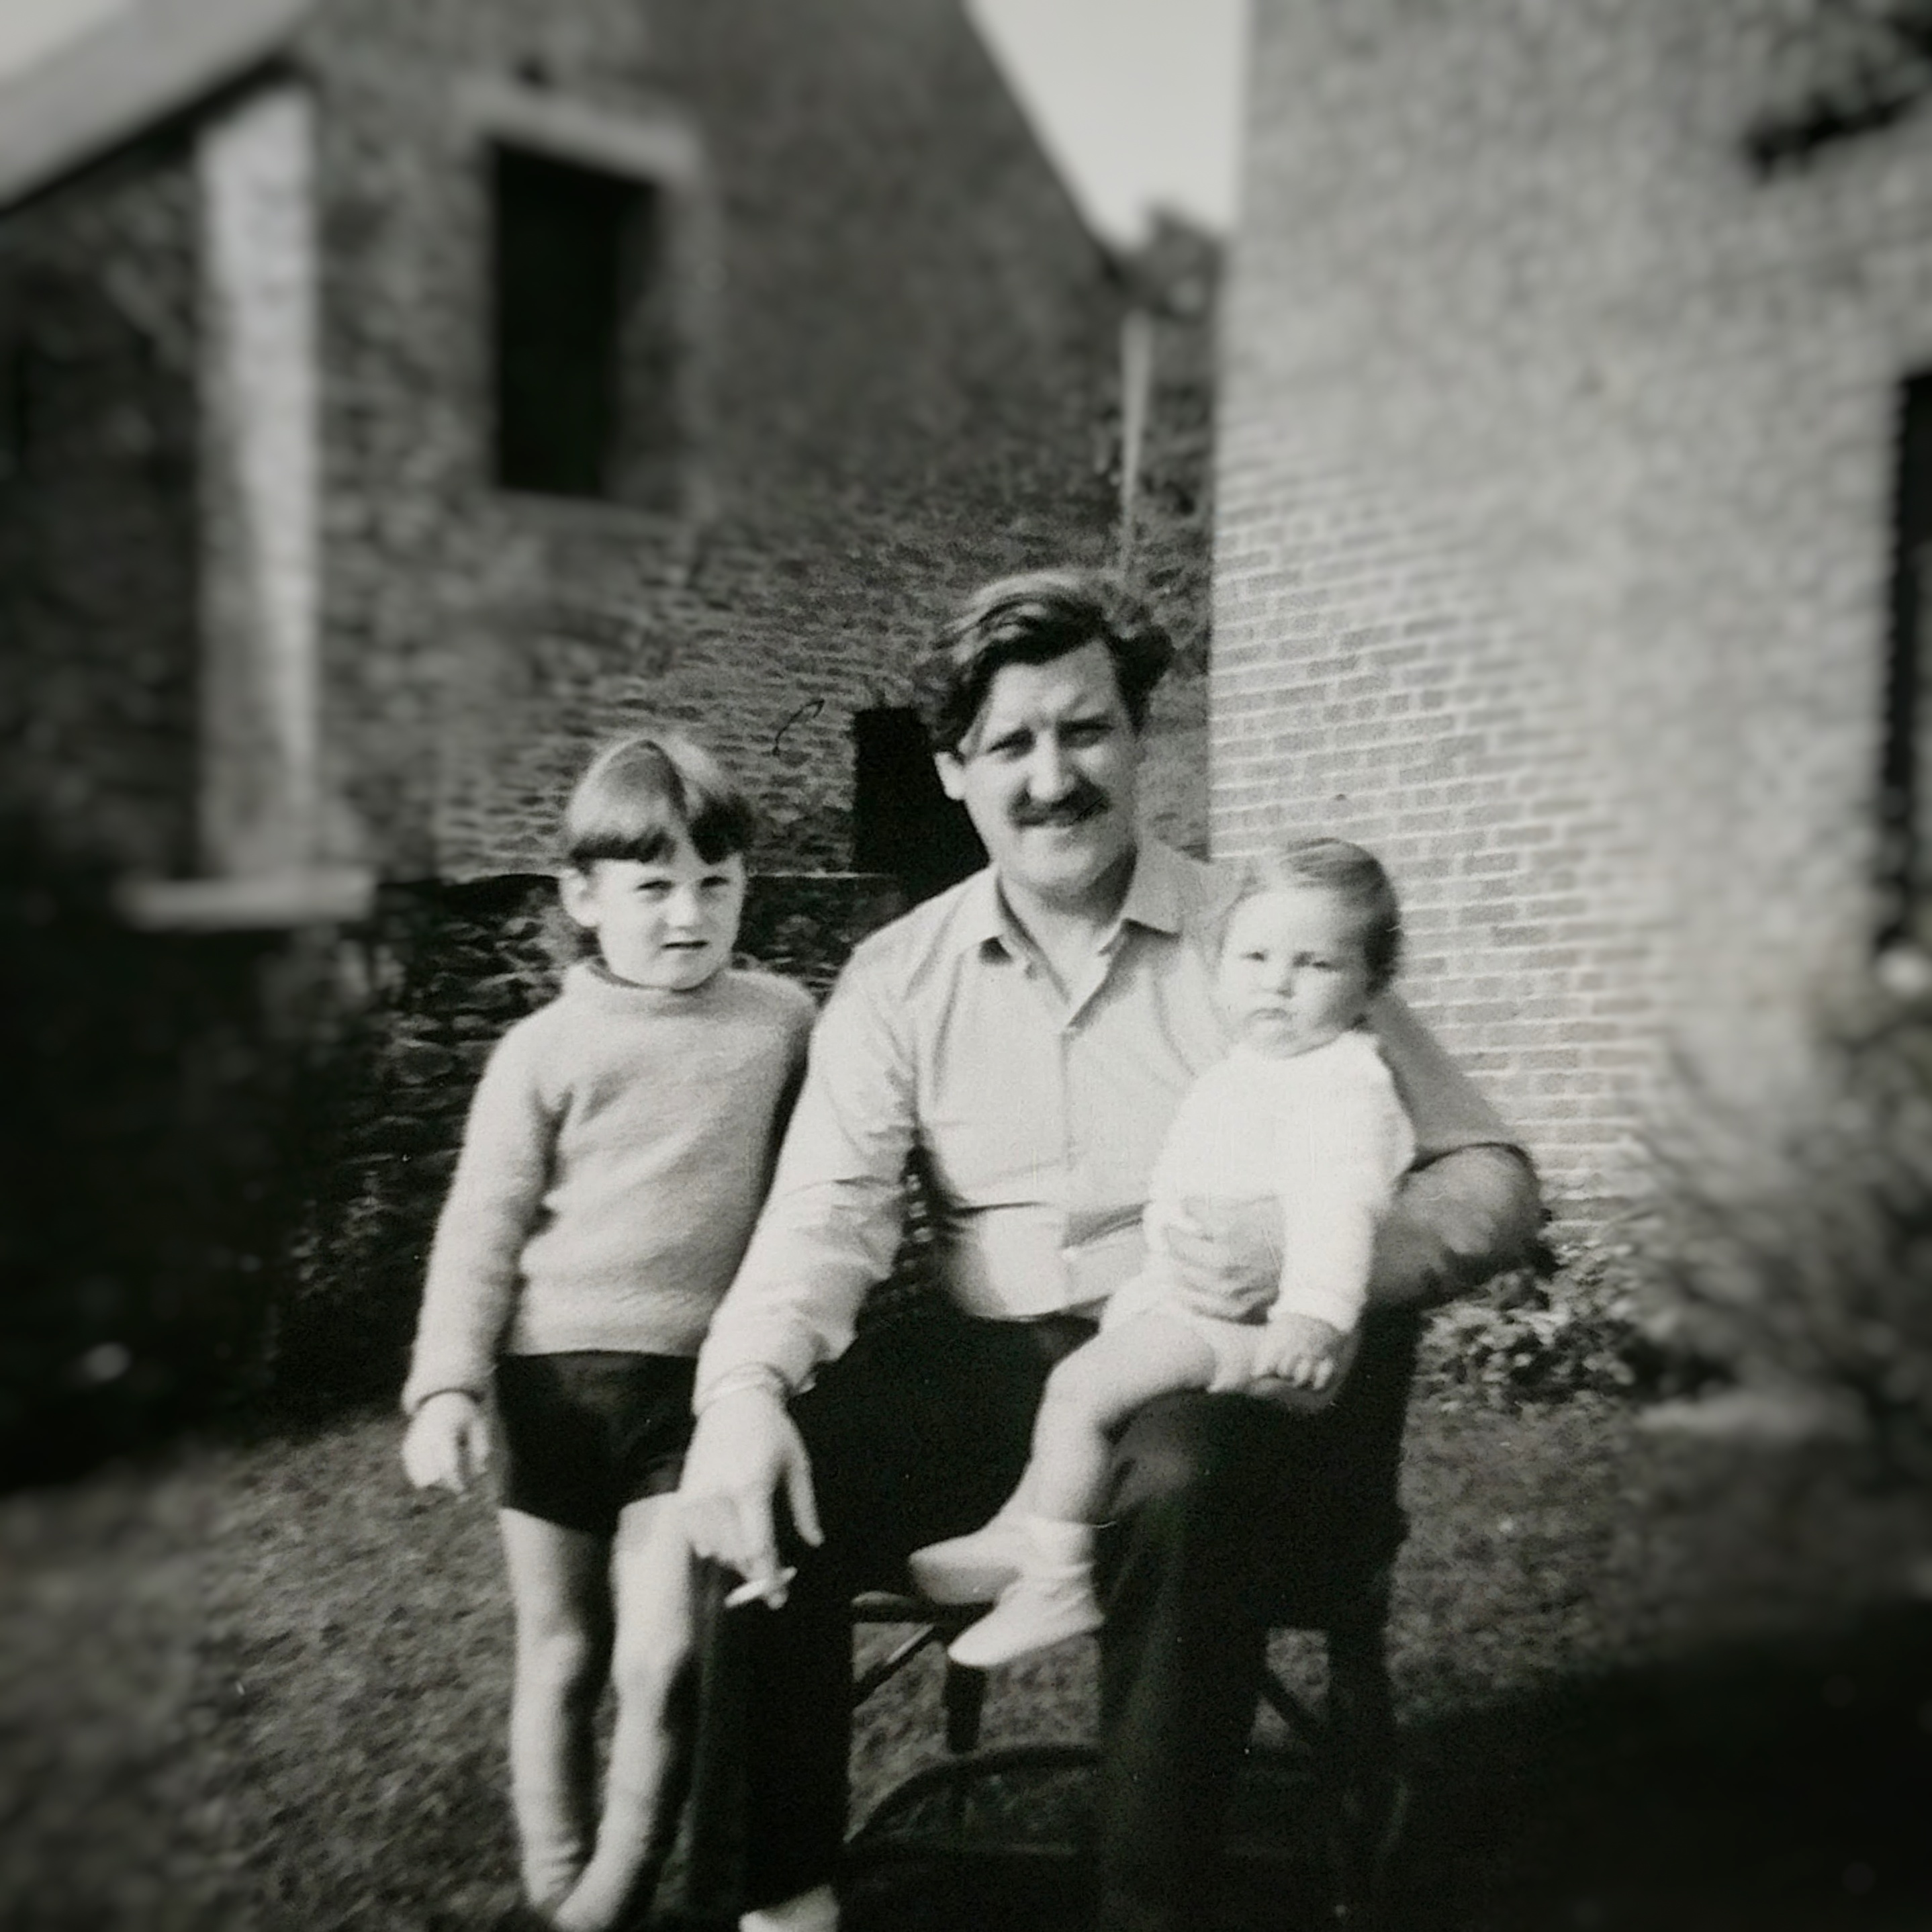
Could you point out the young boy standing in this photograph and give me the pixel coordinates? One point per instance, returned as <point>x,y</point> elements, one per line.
<point>617,1151</point>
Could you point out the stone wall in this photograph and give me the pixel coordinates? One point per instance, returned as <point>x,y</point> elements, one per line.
<point>901,384</point>
<point>1554,474</point>
<point>896,377</point>
<point>98,477</point>
<point>907,381</point>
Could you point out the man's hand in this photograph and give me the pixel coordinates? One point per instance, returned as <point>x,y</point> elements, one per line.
<point>448,1445</point>
<point>1227,1256</point>
<point>745,1449</point>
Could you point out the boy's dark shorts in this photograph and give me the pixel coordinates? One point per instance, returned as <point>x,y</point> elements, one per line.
<point>584,1435</point>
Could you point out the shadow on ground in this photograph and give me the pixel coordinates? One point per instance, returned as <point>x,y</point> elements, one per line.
<point>1777,1787</point>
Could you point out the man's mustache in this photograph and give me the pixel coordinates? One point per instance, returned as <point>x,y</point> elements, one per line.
<point>1085,801</point>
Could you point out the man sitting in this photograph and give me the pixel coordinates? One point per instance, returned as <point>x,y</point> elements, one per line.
<point>1030,1033</point>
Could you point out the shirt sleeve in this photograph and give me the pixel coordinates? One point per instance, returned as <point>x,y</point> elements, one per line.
<point>830,1228</point>
<point>1342,1148</point>
<point>798,1021</point>
<point>502,1175</point>
<point>1441,1101</point>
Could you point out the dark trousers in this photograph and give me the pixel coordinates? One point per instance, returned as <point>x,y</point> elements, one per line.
<point>1222,1507</point>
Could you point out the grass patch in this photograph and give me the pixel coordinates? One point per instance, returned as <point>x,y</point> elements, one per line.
<point>264,1685</point>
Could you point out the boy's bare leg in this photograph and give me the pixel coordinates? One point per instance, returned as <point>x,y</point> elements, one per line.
<point>559,1583</point>
<point>651,1654</point>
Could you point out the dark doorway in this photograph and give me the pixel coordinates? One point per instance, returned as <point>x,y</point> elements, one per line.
<point>1899,858</point>
<point>903,824</point>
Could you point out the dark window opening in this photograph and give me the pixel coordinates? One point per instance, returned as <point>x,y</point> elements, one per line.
<point>583,348</point>
<point>1901,855</point>
<point>903,824</point>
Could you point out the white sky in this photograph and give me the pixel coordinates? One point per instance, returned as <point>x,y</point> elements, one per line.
<point>31,27</point>
<point>1137,101</point>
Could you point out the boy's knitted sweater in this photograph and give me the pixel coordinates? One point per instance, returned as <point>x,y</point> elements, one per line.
<point>618,1150</point>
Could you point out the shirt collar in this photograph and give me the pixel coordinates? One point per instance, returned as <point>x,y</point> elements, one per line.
<point>982,919</point>
<point>1155,899</point>
<point>1154,893</point>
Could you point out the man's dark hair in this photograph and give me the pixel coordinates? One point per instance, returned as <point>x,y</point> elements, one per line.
<point>1033,618</point>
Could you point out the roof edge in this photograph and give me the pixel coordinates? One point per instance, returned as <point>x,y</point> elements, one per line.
<point>993,62</point>
<point>113,84</point>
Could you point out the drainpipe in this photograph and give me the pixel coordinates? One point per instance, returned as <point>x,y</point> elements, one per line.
<point>1136,391</point>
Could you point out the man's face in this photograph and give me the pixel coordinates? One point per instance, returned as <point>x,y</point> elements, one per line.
<point>1048,775</point>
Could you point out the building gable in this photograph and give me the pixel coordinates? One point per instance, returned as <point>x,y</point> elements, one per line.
<point>155,59</point>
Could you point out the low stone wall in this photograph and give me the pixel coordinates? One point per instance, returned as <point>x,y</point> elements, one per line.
<point>152,1095</point>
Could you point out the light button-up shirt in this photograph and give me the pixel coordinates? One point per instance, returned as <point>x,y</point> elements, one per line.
<point>1037,1119</point>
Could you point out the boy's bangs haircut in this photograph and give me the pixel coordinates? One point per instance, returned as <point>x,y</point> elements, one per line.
<point>643,795</point>
<point>1033,618</point>
<point>1354,875</point>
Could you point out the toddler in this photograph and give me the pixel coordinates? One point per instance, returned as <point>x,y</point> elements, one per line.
<point>617,1152</point>
<point>1302,1109</point>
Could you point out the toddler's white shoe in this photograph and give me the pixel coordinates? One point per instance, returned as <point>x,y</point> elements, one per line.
<point>973,1568</point>
<point>1034,1613</point>
<point>813,1911</point>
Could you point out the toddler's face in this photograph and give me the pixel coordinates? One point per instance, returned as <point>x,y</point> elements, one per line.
<point>668,923</point>
<point>1293,973</point>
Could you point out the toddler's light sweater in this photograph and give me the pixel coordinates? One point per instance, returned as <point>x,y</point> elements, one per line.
<point>1323,1132</point>
<point>618,1150</point>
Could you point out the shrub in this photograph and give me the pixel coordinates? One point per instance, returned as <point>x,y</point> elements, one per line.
<point>1805,1245</point>
<point>1585,1322</point>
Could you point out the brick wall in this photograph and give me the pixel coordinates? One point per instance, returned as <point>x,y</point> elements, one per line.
<point>1554,483</point>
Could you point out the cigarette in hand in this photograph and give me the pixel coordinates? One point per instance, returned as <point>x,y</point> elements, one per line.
<point>761,1589</point>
